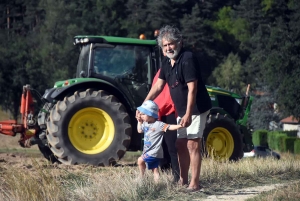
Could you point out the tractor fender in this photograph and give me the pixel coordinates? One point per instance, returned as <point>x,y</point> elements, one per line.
<point>215,110</point>
<point>54,94</point>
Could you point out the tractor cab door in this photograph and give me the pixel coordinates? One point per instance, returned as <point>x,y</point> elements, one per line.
<point>128,65</point>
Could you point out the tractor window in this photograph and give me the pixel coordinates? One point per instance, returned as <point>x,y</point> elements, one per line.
<point>83,61</point>
<point>129,65</point>
<point>115,61</point>
<point>122,60</point>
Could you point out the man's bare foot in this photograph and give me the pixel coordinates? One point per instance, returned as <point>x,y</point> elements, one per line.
<point>192,190</point>
<point>195,188</point>
<point>181,183</point>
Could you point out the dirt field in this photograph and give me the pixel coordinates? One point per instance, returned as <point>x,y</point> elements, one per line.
<point>12,152</point>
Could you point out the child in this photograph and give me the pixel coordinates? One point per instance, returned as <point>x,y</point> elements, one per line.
<point>153,135</point>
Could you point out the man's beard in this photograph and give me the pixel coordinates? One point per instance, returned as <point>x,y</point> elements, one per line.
<point>174,53</point>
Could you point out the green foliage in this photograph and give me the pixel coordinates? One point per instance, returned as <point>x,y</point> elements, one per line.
<point>272,140</point>
<point>227,24</point>
<point>224,22</point>
<point>241,30</point>
<point>13,72</point>
<point>260,137</point>
<point>200,39</point>
<point>274,49</point>
<point>276,140</point>
<point>297,146</point>
<point>280,142</point>
<point>229,74</point>
<point>267,4</point>
<point>289,143</point>
<point>136,23</point>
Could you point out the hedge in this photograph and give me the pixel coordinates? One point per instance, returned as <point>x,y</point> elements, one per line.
<point>259,137</point>
<point>271,138</point>
<point>289,144</point>
<point>283,141</point>
<point>279,142</point>
<point>297,146</point>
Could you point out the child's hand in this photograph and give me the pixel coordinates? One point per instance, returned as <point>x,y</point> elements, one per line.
<point>139,118</point>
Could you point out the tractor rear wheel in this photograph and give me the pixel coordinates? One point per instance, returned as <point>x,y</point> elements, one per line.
<point>222,139</point>
<point>89,127</point>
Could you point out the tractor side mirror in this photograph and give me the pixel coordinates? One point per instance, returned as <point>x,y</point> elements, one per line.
<point>82,74</point>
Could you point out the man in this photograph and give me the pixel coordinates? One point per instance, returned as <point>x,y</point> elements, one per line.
<point>180,70</point>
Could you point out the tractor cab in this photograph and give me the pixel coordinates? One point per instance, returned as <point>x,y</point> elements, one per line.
<point>126,62</point>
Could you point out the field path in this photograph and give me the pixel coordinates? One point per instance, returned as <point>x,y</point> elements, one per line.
<point>242,194</point>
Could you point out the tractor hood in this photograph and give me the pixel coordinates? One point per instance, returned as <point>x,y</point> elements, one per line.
<point>219,91</point>
<point>211,90</point>
<point>69,82</point>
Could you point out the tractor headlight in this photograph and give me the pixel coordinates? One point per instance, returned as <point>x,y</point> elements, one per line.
<point>239,101</point>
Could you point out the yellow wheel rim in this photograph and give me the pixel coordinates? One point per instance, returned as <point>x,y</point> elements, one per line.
<point>219,144</point>
<point>91,130</point>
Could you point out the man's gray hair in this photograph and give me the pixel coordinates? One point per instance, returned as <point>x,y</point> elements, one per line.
<point>169,33</point>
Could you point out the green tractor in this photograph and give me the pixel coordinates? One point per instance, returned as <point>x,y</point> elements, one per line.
<point>90,119</point>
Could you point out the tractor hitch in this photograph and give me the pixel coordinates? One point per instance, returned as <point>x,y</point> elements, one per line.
<point>26,129</point>
<point>10,127</point>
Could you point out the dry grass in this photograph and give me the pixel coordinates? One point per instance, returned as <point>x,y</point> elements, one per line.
<point>4,115</point>
<point>38,180</point>
<point>34,179</point>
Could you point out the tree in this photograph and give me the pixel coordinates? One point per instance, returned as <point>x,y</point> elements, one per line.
<point>13,72</point>
<point>136,19</point>
<point>229,74</point>
<point>275,54</point>
<point>262,109</point>
<point>198,37</point>
<point>14,53</point>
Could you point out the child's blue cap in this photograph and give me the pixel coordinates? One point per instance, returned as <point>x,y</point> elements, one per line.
<point>149,108</point>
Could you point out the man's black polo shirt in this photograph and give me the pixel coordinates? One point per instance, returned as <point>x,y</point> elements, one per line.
<point>185,69</point>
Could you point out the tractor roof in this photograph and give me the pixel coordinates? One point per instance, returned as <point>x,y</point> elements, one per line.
<point>81,39</point>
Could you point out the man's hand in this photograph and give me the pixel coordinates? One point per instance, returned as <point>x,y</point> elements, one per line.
<point>186,120</point>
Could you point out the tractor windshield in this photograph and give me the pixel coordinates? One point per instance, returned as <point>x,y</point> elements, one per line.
<point>128,65</point>
<point>122,60</point>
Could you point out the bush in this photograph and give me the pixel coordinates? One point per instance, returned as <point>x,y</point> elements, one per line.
<point>280,141</point>
<point>271,139</point>
<point>289,144</point>
<point>297,146</point>
<point>276,140</point>
<point>259,137</point>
